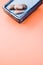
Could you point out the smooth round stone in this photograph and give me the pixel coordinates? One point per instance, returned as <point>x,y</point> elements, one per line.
<point>11,7</point>
<point>20,7</point>
<point>19,11</point>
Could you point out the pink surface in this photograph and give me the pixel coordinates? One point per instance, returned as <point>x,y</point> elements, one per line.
<point>21,44</point>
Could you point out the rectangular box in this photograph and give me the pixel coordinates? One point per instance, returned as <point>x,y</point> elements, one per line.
<point>32,5</point>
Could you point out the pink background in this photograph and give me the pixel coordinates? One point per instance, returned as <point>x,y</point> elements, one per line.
<point>21,44</point>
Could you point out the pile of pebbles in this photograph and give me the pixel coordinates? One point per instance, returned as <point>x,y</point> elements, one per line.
<point>18,8</point>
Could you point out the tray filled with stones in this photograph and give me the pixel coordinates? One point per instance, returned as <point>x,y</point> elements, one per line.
<point>21,9</point>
